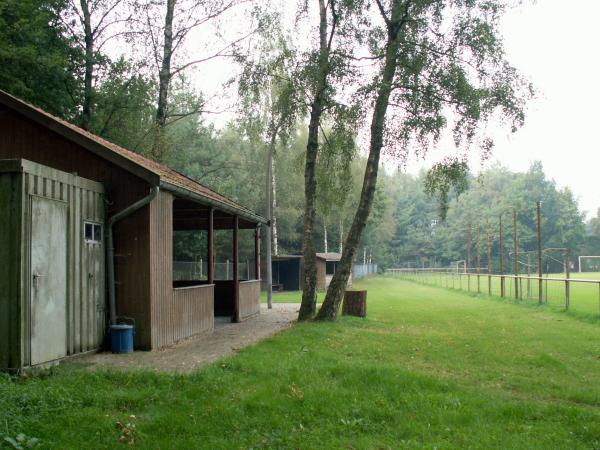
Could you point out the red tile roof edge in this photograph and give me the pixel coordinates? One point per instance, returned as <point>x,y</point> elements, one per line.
<point>164,173</point>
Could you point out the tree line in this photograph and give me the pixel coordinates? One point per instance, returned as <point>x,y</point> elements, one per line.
<point>329,95</point>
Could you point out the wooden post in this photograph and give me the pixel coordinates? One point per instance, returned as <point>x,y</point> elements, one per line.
<point>501,261</point>
<point>539,252</point>
<point>478,258</point>
<point>567,276</point>
<point>528,275</point>
<point>489,257</point>
<point>468,257</point>
<point>236,268</point>
<point>516,252</point>
<point>210,268</point>
<point>257,253</point>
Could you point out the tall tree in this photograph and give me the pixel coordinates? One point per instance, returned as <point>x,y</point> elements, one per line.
<point>319,87</point>
<point>271,106</point>
<point>166,28</point>
<point>93,24</point>
<point>437,56</point>
<point>38,61</point>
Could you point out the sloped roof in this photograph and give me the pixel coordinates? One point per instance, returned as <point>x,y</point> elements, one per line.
<point>330,256</point>
<point>152,171</point>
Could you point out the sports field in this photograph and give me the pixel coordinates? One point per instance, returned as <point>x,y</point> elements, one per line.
<point>584,295</point>
<point>428,368</point>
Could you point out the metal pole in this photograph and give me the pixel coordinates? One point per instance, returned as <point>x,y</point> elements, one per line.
<point>210,269</point>
<point>501,255</point>
<point>539,252</point>
<point>236,268</point>
<point>516,252</point>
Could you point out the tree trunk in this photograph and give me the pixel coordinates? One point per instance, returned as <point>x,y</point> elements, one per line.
<point>341,235</point>
<point>164,79</point>
<point>324,235</point>
<point>308,306</point>
<point>86,113</point>
<point>335,292</point>
<point>274,201</point>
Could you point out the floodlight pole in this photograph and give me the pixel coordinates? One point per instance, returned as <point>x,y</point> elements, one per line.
<point>516,250</point>
<point>501,254</point>
<point>539,251</point>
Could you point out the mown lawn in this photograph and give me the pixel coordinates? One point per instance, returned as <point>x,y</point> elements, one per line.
<point>585,297</point>
<point>429,368</point>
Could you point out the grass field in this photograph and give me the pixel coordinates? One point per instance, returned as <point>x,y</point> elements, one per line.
<point>585,297</point>
<point>429,368</point>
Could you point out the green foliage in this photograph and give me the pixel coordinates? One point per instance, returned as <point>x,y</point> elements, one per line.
<point>37,63</point>
<point>450,174</point>
<point>427,368</point>
<point>124,107</point>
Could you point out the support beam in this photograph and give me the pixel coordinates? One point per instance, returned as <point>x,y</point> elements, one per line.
<point>211,255</point>
<point>236,272</point>
<point>257,253</point>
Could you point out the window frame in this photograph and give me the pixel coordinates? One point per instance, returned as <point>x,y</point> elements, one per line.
<point>95,225</point>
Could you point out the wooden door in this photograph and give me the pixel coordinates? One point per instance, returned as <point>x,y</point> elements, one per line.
<point>48,272</point>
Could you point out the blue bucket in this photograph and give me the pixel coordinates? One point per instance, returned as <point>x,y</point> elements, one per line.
<point>121,338</point>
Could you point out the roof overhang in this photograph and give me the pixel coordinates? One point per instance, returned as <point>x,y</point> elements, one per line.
<point>94,147</point>
<point>186,193</point>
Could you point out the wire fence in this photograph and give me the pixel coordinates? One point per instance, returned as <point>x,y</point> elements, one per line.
<point>363,270</point>
<point>577,294</point>
<point>197,270</point>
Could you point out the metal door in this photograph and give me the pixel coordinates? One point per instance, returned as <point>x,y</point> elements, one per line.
<point>48,279</point>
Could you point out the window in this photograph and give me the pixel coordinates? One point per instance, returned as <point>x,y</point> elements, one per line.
<point>92,232</point>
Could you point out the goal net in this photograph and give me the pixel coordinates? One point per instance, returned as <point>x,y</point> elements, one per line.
<point>589,263</point>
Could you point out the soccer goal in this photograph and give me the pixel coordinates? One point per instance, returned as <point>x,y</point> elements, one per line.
<point>592,266</point>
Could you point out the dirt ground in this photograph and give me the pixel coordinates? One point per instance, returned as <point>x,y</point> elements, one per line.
<point>189,354</point>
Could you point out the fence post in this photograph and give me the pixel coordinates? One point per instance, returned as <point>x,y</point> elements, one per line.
<point>489,256</point>
<point>539,252</point>
<point>501,254</point>
<point>478,259</point>
<point>516,253</point>
<point>468,257</point>
<point>528,275</point>
<point>567,282</point>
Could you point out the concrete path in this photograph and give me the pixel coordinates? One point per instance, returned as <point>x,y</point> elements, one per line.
<point>189,354</point>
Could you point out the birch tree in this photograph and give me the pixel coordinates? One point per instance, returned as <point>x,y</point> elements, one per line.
<point>440,64</point>
<point>271,106</point>
<point>167,29</point>
<point>93,25</point>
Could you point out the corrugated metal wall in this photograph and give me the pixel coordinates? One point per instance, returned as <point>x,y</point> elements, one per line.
<point>175,313</point>
<point>85,261</point>
<point>249,298</point>
<point>86,300</point>
<point>194,306</point>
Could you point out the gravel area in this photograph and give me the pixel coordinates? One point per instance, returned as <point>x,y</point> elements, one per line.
<point>189,354</point>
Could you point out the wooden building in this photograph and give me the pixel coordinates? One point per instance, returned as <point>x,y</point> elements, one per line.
<point>287,271</point>
<point>326,267</point>
<point>86,235</point>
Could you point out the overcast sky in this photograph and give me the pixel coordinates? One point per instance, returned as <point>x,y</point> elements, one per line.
<point>555,44</point>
